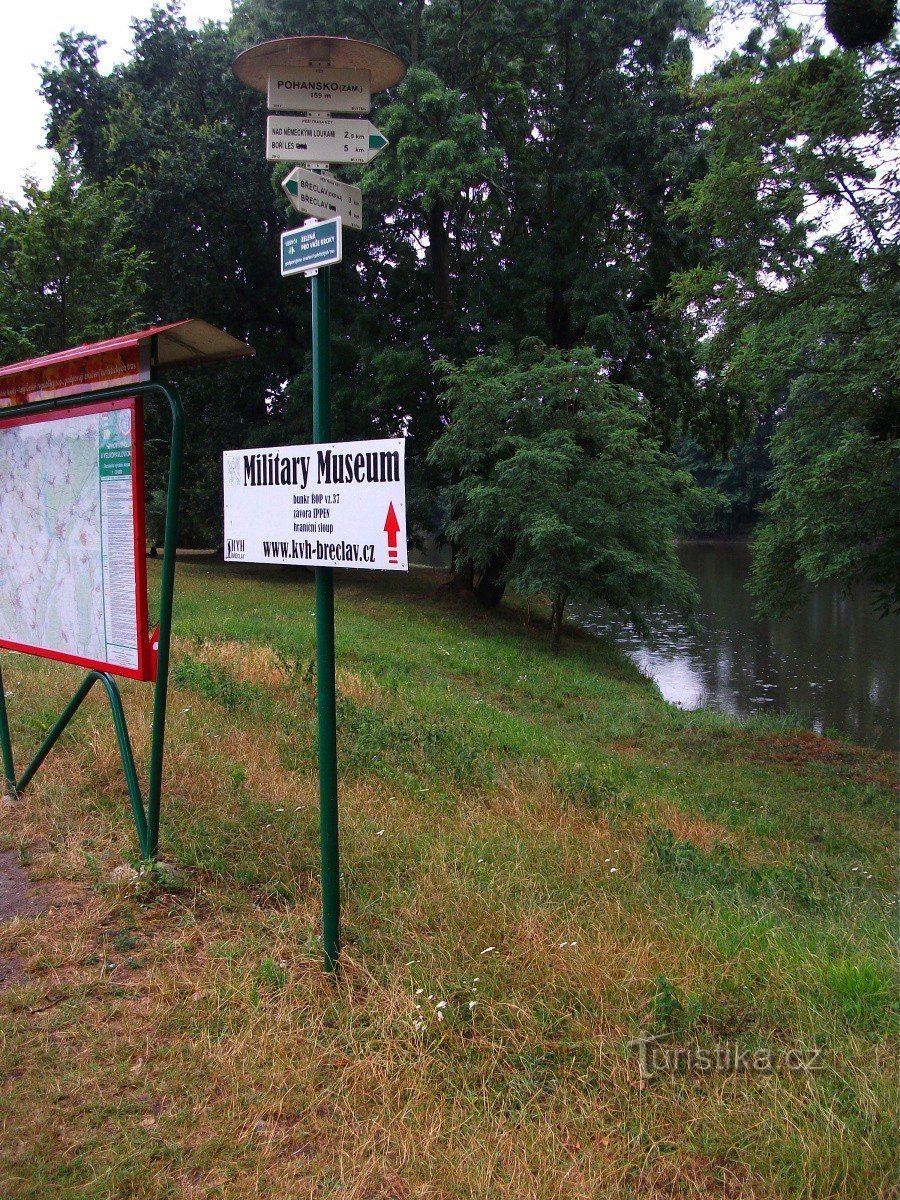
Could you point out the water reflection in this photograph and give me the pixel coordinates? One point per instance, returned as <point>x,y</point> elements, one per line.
<point>833,661</point>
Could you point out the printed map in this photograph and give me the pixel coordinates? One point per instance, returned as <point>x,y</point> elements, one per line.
<point>67,571</point>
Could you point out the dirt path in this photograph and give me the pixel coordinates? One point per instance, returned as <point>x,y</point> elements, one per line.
<point>17,896</point>
<point>17,899</point>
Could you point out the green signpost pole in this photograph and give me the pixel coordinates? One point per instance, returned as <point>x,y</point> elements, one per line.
<point>321,62</point>
<point>325,686</point>
<point>9,773</point>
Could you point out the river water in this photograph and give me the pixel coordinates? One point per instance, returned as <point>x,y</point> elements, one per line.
<point>833,663</point>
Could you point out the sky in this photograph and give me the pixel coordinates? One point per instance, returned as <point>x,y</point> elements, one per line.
<point>30,30</point>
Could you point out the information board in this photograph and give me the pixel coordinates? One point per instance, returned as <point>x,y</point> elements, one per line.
<point>339,504</point>
<point>72,570</point>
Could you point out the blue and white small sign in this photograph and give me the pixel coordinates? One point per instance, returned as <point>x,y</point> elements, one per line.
<point>315,245</point>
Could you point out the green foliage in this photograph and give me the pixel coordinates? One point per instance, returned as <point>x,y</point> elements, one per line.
<point>668,1009</point>
<point>855,24</point>
<point>213,682</point>
<point>741,479</point>
<point>836,453</point>
<point>535,148</point>
<point>800,885</point>
<point>372,740</point>
<point>797,302</point>
<point>557,485</point>
<point>586,787</point>
<point>271,975</point>
<point>174,125</point>
<point>69,269</point>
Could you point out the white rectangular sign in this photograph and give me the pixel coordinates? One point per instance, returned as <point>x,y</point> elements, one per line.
<point>319,89</point>
<point>322,139</point>
<point>338,504</point>
<point>321,196</point>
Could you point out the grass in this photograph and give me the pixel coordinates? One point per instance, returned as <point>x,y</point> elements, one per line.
<point>541,862</point>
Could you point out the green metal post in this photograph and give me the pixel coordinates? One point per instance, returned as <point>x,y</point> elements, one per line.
<point>121,728</point>
<point>167,592</point>
<point>9,771</point>
<point>325,689</point>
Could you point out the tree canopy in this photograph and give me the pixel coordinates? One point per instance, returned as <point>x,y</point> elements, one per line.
<point>726,247</point>
<point>69,268</point>
<point>796,303</point>
<point>558,486</point>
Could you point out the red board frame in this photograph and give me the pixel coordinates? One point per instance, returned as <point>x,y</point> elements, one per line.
<point>146,668</point>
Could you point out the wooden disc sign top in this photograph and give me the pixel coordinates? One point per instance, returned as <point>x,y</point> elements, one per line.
<point>253,66</point>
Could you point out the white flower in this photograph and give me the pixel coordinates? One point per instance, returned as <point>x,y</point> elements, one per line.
<point>488,950</point>
<point>380,833</point>
<point>439,1015</point>
<point>612,870</point>
<point>440,1004</point>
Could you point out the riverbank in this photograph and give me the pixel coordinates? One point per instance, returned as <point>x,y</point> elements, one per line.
<point>832,665</point>
<point>595,946</point>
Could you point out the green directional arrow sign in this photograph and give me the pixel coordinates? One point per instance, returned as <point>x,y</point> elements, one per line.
<point>322,139</point>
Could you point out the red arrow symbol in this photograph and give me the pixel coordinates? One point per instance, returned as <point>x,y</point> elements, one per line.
<point>392,528</point>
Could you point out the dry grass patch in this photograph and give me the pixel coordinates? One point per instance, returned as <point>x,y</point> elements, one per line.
<point>509,929</point>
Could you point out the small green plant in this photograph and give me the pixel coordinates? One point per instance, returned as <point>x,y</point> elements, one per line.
<point>586,788</point>
<point>271,975</point>
<point>295,667</point>
<point>668,1009</point>
<point>124,940</point>
<point>801,884</point>
<point>214,683</point>
<point>865,994</point>
<point>237,776</point>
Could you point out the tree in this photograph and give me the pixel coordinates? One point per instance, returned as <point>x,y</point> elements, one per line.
<point>741,478</point>
<point>174,123</point>
<point>69,269</point>
<point>833,512</point>
<point>558,485</point>
<point>796,302</point>
<point>536,147</point>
